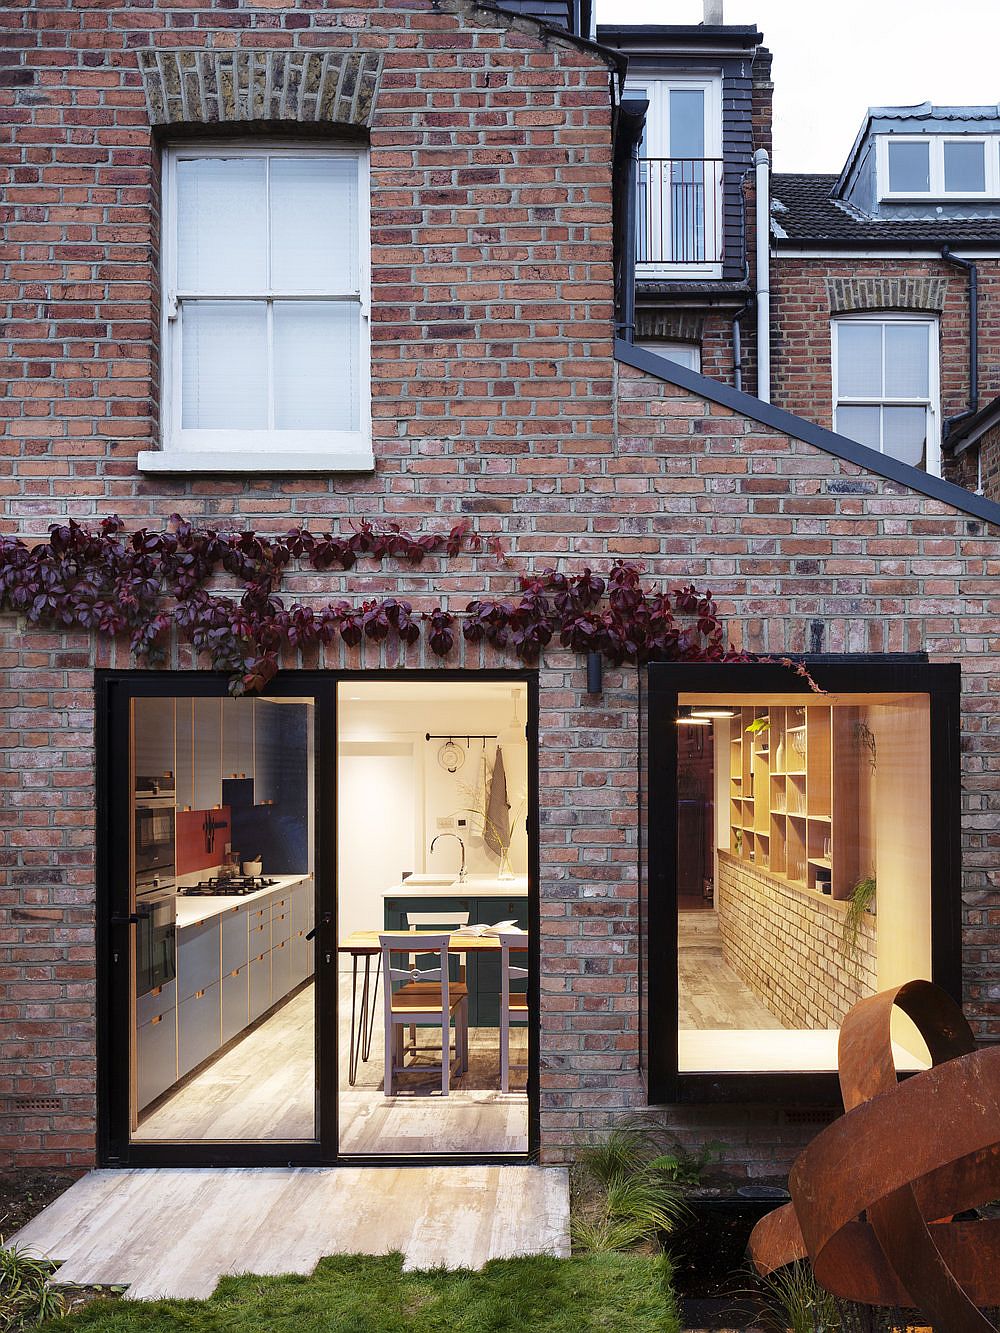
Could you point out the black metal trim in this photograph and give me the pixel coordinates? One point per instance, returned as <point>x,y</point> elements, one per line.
<point>114,1145</point>
<point>789,424</point>
<point>884,673</point>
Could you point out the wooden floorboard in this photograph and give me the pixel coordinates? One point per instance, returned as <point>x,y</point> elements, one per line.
<point>264,1088</point>
<point>175,1232</point>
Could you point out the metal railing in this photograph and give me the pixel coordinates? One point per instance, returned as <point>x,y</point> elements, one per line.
<point>678,212</point>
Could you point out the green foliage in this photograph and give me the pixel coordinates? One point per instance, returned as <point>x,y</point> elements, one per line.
<point>360,1294</point>
<point>622,1199</point>
<point>861,899</point>
<point>688,1168</point>
<point>758,725</point>
<point>26,1299</point>
<point>800,1303</point>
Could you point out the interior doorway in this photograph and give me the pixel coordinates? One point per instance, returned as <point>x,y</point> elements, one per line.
<point>433,805</point>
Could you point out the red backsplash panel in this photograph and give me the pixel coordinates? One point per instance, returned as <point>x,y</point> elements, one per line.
<point>191,853</point>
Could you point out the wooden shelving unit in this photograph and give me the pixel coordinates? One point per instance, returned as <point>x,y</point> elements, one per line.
<point>788,812</point>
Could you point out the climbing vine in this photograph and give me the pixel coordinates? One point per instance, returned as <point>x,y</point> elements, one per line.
<point>143,584</point>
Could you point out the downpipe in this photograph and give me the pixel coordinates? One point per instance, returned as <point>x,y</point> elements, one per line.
<point>762,214</point>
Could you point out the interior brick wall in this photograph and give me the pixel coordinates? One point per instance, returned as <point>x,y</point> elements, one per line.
<point>786,944</point>
<point>495,397</point>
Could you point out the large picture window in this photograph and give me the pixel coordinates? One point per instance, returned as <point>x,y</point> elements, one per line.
<point>885,376</point>
<point>800,859</point>
<point>265,308</point>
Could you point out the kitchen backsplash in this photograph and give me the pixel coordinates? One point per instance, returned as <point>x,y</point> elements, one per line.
<point>196,850</point>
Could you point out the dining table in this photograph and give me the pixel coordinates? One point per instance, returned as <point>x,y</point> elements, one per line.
<point>363,946</point>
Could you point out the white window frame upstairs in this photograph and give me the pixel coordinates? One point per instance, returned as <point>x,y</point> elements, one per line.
<point>686,354</point>
<point>656,89</point>
<point>932,402</point>
<point>268,450</point>
<point>935,148</point>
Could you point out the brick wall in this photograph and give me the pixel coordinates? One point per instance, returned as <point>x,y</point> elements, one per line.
<point>805,292</point>
<point>786,944</point>
<point>495,396</point>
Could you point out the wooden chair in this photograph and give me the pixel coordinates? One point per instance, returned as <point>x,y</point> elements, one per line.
<point>449,921</point>
<point>513,1004</point>
<point>425,997</point>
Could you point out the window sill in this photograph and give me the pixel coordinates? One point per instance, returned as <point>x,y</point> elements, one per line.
<point>187,462</point>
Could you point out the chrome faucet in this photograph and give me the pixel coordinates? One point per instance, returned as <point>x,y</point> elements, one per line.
<point>438,837</point>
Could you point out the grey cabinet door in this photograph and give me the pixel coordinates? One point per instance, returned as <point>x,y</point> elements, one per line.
<point>185,754</point>
<point>153,737</point>
<point>281,971</point>
<point>235,1002</point>
<point>207,754</point>
<point>156,1058</point>
<point>237,738</point>
<point>260,984</point>
<point>198,960</point>
<point>199,1031</point>
<point>235,944</point>
<point>267,751</point>
<point>260,936</point>
<point>281,926</point>
<point>156,1002</point>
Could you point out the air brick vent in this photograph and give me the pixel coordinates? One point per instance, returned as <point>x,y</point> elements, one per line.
<point>38,1104</point>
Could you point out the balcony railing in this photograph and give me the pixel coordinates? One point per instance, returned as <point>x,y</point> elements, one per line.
<point>678,214</point>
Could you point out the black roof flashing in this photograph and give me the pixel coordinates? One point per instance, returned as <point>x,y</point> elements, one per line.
<point>787,423</point>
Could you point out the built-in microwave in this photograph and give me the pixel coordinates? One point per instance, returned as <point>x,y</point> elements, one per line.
<point>154,838</point>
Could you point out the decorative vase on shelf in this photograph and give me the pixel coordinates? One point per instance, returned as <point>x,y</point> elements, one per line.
<point>779,757</point>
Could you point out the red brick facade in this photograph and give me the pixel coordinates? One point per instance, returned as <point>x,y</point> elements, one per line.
<point>495,395</point>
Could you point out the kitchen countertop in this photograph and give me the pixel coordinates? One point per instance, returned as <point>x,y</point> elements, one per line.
<point>476,886</point>
<point>195,909</point>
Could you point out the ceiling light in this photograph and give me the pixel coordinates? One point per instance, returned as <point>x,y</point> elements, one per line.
<point>514,732</point>
<point>713,712</point>
<point>688,719</point>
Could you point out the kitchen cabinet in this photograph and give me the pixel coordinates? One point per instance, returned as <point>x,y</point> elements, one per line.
<point>184,731</point>
<point>482,975</point>
<point>155,1003</point>
<point>281,971</point>
<point>237,738</point>
<point>156,1058</point>
<point>280,922</point>
<point>153,737</point>
<point>235,947</point>
<point>207,754</point>
<point>235,1001</point>
<point>260,984</point>
<point>198,1028</point>
<point>267,751</point>
<point>198,960</point>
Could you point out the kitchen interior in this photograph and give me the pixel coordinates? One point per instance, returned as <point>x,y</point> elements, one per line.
<point>433,803</point>
<point>432,787</point>
<point>803,873</point>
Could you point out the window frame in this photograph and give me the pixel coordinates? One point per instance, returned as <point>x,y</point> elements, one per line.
<point>655,86</point>
<point>658,927</point>
<point>257,450</point>
<point>936,187</point>
<point>933,400</point>
<point>664,348</point>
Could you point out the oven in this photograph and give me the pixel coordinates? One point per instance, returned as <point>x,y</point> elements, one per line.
<point>154,839</point>
<point>155,939</point>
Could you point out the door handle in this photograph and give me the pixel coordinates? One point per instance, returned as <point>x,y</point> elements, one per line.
<point>131,920</point>
<point>325,920</point>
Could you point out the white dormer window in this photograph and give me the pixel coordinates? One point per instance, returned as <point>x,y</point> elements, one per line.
<point>938,166</point>
<point>265,310</point>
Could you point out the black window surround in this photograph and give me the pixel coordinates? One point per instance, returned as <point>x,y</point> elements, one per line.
<point>663,683</point>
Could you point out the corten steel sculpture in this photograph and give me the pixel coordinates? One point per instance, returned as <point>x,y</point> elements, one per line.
<point>874,1195</point>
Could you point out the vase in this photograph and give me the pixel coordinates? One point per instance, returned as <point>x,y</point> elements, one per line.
<point>505,871</point>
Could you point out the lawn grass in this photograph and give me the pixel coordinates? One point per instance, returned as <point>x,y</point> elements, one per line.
<point>362,1294</point>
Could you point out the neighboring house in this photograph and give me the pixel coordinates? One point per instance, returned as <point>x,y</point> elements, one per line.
<point>884,288</point>
<point>320,266</point>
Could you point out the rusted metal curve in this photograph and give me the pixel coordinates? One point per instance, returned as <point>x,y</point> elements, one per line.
<point>873,1195</point>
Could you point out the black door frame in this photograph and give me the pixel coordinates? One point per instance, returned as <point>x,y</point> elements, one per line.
<point>837,674</point>
<point>114,1144</point>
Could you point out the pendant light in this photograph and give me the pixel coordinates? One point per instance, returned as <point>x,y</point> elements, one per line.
<point>514,732</point>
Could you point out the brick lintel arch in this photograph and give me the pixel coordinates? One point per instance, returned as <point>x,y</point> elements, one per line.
<point>253,87</point>
<point>862,295</point>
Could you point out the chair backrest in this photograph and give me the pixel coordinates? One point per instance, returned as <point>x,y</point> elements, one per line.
<point>404,943</point>
<point>516,941</point>
<point>443,920</point>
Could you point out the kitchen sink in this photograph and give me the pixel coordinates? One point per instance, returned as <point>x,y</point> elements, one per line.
<point>431,881</point>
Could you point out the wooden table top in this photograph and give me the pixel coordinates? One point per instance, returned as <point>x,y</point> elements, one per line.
<point>367,941</point>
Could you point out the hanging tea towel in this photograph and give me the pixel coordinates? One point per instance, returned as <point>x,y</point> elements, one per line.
<point>497,832</point>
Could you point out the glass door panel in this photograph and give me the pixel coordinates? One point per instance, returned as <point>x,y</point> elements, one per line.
<point>221,906</point>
